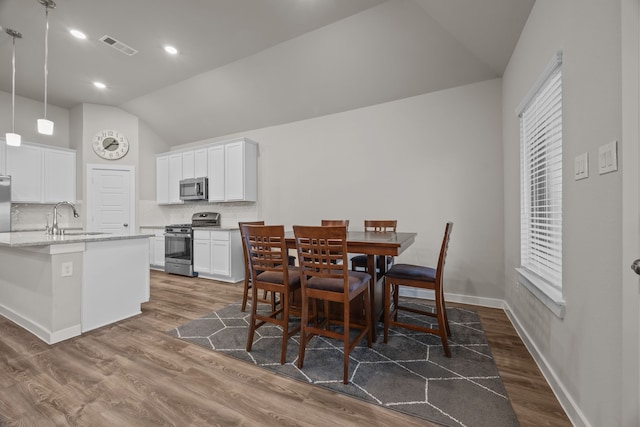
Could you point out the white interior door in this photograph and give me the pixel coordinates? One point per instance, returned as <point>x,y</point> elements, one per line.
<point>111,194</point>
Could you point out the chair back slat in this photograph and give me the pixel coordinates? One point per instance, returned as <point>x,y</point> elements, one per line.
<point>380,225</point>
<point>266,249</point>
<point>322,251</point>
<point>244,244</point>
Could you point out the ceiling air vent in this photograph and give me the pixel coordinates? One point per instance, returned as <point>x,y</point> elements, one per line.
<point>118,45</point>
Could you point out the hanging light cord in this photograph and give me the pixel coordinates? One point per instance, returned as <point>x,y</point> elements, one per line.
<point>13,85</point>
<point>14,34</point>
<point>46,58</point>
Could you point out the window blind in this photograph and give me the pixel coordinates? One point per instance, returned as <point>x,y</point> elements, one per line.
<point>541,184</point>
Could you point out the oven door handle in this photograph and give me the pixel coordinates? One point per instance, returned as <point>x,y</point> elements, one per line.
<point>186,235</point>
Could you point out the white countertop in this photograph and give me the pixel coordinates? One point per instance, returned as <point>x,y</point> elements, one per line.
<point>39,238</point>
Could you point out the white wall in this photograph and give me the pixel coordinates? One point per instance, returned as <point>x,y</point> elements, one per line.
<point>28,112</point>
<point>581,350</point>
<point>423,160</point>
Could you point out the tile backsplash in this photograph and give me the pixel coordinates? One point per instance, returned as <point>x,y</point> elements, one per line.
<point>31,216</point>
<point>27,216</point>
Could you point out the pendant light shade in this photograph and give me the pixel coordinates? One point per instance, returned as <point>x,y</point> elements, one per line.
<point>46,126</point>
<point>12,138</point>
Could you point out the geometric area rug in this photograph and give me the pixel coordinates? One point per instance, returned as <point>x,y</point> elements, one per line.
<point>409,374</point>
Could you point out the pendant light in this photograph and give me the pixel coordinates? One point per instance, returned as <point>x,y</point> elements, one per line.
<point>46,126</point>
<point>13,138</point>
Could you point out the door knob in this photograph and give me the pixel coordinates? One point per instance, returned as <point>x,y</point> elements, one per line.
<point>636,266</point>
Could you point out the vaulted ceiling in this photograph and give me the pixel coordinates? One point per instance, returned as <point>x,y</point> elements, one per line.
<point>246,64</point>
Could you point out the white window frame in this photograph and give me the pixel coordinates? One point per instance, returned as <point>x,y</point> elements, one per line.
<point>540,116</point>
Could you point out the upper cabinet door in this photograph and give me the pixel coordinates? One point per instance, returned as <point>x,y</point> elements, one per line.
<point>59,176</point>
<point>188,165</point>
<point>241,171</point>
<point>201,162</point>
<point>162,179</point>
<point>25,165</point>
<point>175,175</point>
<point>215,173</point>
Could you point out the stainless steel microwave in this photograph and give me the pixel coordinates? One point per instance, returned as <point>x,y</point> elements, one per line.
<point>194,189</point>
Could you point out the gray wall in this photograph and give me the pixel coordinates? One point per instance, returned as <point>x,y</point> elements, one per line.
<point>580,349</point>
<point>423,160</point>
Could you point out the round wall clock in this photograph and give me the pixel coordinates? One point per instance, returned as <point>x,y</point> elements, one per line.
<point>110,144</point>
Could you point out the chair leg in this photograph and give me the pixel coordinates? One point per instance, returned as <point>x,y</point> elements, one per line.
<point>252,322</point>
<point>304,318</point>
<point>285,326</point>
<point>245,293</point>
<point>367,317</point>
<point>396,294</point>
<point>387,304</point>
<point>442,328</point>
<point>346,343</point>
<point>446,319</point>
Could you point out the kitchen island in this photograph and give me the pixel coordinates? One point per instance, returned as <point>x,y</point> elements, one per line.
<point>58,287</point>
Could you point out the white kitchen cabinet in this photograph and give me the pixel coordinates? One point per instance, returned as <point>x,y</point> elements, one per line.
<point>202,252</point>
<point>215,157</point>
<point>156,248</point>
<point>188,165</point>
<point>194,163</point>
<point>241,168</point>
<point>175,175</point>
<point>3,158</point>
<point>41,174</point>
<point>25,165</point>
<point>162,179</point>
<point>59,176</point>
<point>217,254</point>
<point>168,176</point>
<point>200,162</point>
<point>231,167</point>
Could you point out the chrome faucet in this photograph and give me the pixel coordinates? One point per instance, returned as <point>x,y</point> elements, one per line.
<point>54,228</point>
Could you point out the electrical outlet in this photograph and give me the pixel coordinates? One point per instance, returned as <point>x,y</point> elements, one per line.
<point>66,269</point>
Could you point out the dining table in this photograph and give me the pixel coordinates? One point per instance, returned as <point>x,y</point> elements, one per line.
<point>372,243</point>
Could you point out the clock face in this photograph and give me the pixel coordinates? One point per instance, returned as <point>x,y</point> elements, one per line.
<point>110,144</point>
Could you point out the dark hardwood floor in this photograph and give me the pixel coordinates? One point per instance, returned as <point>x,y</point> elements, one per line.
<point>134,374</point>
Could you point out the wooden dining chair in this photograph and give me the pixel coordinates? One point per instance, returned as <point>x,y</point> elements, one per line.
<point>322,255</point>
<point>247,276</point>
<point>344,222</point>
<point>418,277</point>
<point>359,262</point>
<point>247,273</point>
<point>269,269</point>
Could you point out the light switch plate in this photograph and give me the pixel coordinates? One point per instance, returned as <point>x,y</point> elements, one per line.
<point>608,158</point>
<point>581,170</point>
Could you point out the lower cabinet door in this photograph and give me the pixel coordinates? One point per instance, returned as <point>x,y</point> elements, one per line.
<point>202,256</point>
<point>158,251</point>
<point>220,257</point>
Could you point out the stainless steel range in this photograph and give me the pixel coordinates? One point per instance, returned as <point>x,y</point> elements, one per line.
<point>178,243</point>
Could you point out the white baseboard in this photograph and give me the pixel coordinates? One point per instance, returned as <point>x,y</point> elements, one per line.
<point>576,416</point>
<point>50,337</point>
<point>463,299</point>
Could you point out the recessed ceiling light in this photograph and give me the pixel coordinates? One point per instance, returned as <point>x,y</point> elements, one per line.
<point>100,85</point>
<point>78,34</point>
<point>171,50</point>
